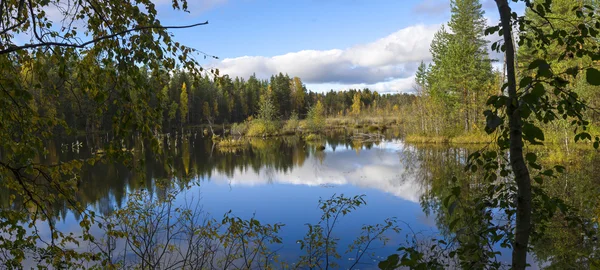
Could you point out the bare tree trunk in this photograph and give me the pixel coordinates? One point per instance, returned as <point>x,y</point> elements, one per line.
<point>522,177</point>
<point>210,123</point>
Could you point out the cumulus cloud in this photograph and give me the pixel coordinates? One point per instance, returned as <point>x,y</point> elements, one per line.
<point>386,63</point>
<point>401,85</point>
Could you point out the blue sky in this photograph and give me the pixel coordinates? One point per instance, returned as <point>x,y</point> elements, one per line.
<point>330,44</point>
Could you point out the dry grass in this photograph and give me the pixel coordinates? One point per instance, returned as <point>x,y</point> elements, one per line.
<point>232,143</point>
<point>472,138</point>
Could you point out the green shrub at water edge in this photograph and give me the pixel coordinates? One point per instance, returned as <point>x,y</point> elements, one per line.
<point>292,124</point>
<point>262,128</point>
<point>239,128</point>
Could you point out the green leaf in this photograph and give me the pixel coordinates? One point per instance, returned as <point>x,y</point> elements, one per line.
<point>456,191</point>
<point>492,122</point>
<point>538,63</point>
<point>593,76</point>
<point>390,263</point>
<point>538,91</point>
<point>453,224</point>
<point>532,133</point>
<point>452,207</point>
<point>525,81</point>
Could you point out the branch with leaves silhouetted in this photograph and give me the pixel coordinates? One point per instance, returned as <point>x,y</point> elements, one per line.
<point>14,48</point>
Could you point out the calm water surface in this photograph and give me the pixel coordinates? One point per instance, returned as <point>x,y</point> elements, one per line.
<point>281,180</point>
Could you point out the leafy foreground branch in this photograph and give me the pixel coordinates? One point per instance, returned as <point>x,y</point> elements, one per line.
<point>153,233</point>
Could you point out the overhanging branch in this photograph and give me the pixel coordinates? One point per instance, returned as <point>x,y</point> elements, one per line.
<point>15,48</point>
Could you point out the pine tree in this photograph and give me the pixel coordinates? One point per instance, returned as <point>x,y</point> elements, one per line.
<point>461,66</point>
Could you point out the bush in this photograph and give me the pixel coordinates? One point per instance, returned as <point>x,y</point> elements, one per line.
<point>239,128</point>
<point>260,127</point>
<point>316,117</point>
<point>292,124</point>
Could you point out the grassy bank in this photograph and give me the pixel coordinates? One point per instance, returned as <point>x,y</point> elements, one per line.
<point>553,136</point>
<point>263,128</point>
<point>469,138</point>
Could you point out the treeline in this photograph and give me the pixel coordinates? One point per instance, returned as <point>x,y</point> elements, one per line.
<point>180,98</point>
<point>233,100</point>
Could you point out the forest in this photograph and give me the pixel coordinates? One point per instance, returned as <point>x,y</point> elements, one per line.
<point>450,92</point>
<point>523,92</point>
<point>187,100</point>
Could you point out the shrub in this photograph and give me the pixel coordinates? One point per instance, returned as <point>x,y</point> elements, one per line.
<point>316,117</point>
<point>239,128</point>
<point>261,128</point>
<point>292,124</point>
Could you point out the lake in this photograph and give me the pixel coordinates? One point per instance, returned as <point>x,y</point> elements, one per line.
<point>281,180</point>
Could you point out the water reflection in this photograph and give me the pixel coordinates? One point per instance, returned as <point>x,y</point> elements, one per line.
<point>562,245</point>
<point>289,161</point>
<point>281,179</point>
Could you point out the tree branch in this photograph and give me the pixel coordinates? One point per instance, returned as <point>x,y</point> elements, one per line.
<point>14,48</point>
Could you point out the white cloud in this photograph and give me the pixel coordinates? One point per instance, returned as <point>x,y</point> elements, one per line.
<point>378,168</point>
<point>401,85</point>
<point>386,64</point>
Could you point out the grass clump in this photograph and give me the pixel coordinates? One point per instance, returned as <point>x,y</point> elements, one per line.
<point>232,143</point>
<point>292,124</point>
<point>239,128</point>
